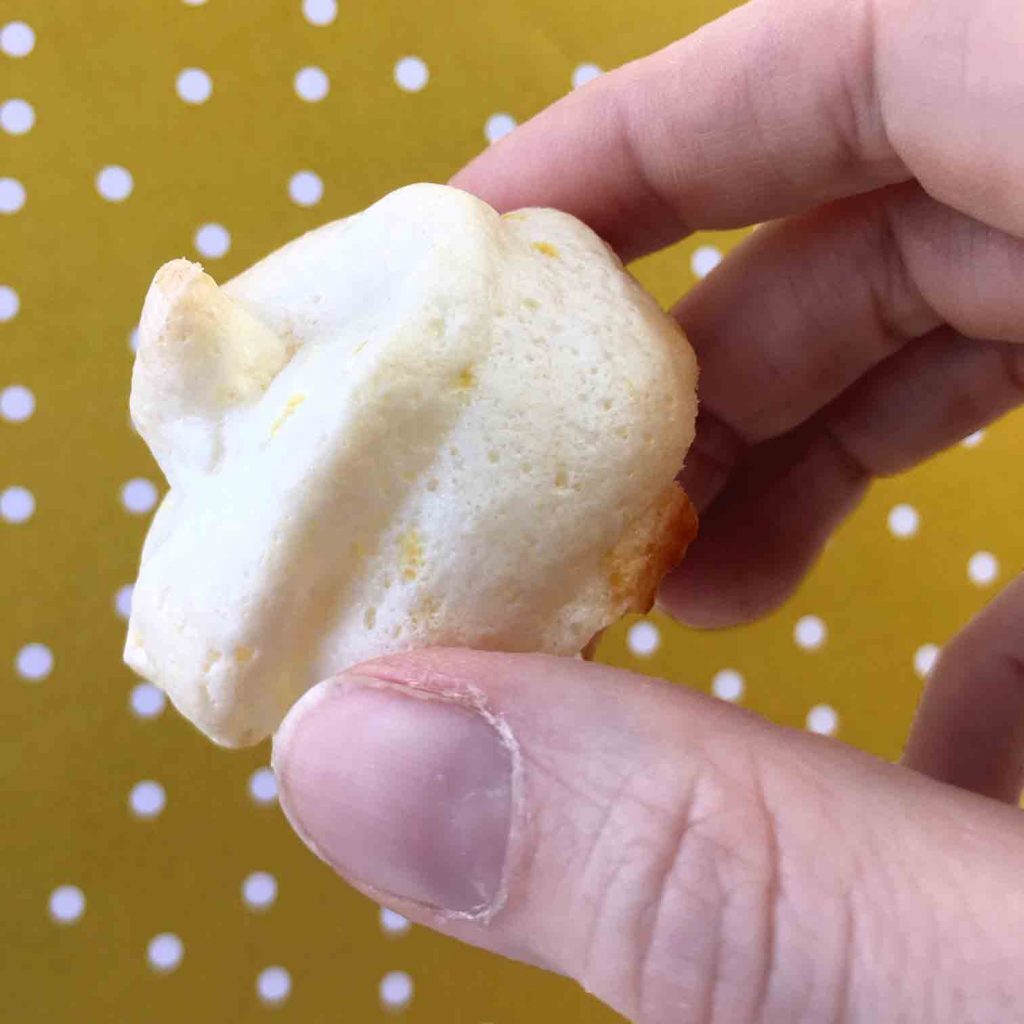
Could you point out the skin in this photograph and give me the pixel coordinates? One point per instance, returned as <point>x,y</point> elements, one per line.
<point>680,858</point>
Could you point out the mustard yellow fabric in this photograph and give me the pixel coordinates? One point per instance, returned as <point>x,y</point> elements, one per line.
<point>99,89</point>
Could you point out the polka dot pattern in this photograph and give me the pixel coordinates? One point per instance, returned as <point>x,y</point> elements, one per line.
<point>12,195</point>
<point>498,126</point>
<point>305,188</point>
<point>212,241</point>
<point>925,658</point>
<point>983,568</point>
<point>728,685</point>
<point>903,520</point>
<point>67,904</point>
<point>263,786</point>
<point>411,74</point>
<point>17,116</point>
<point>312,84</point>
<point>9,303</point>
<point>823,720</point>
<point>17,403</point>
<point>644,639</point>
<point>259,890</point>
<point>17,504</point>
<point>194,85</point>
<point>158,863</point>
<point>274,985</point>
<point>396,989</point>
<point>123,600</point>
<point>392,923</point>
<point>165,952</point>
<point>704,259</point>
<point>139,496</point>
<point>17,39</point>
<point>810,632</point>
<point>147,701</point>
<point>584,73</point>
<point>34,662</point>
<point>114,183</point>
<point>147,799</point>
<point>320,12</point>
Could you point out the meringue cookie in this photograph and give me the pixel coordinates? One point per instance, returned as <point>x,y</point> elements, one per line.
<point>423,425</point>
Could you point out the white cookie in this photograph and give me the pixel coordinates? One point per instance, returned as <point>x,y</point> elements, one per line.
<point>424,425</point>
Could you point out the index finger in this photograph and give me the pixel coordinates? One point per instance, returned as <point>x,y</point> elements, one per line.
<point>766,111</point>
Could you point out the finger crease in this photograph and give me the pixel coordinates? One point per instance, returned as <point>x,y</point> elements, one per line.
<point>857,468</point>
<point>1013,365</point>
<point>900,309</point>
<point>772,896</point>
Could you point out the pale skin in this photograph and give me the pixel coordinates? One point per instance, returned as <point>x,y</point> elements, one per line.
<point>683,860</point>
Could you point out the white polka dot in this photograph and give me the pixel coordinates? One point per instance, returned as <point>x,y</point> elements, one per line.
<point>147,700</point>
<point>809,632</point>
<point>212,240</point>
<point>67,904</point>
<point>17,117</point>
<point>498,126</point>
<point>392,923</point>
<point>643,638</point>
<point>273,984</point>
<point>704,259</point>
<point>147,799</point>
<point>259,890</point>
<point>263,786</point>
<point>823,720</point>
<point>973,440</point>
<point>34,662</point>
<point>319,12</point>
<point>194,85</point>
<point>727,684</point>
<point>164,952</point>
<point>924,659</point>
<point>584,73</point>
<point>133,339</point>
<point>17,403</point>
<point>123,600</point>
<point>12,195</point>
<point>305,188</point>
<point>903,520</point>
<point>9,303</point>
<point>139,496</point>
<point>17,504</point>
<point>982,568</point>
<point>411,74</point>
<point>395,989</point>
<point>311,84</point>
<point>114,183</point>
<point>17,39</point>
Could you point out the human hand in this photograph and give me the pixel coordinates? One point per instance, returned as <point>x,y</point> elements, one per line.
<point>680,858</point>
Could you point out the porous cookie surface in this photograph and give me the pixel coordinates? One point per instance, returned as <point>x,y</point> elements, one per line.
<point>423,425</point>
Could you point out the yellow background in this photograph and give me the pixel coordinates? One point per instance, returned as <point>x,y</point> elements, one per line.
<point>101,80</point>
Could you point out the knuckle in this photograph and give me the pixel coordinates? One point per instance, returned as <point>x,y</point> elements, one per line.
<point>684,899</point>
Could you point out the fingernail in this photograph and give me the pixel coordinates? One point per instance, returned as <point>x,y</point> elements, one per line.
<point>406,794</point>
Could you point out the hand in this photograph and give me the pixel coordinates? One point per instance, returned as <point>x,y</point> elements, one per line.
<point>680,858</point>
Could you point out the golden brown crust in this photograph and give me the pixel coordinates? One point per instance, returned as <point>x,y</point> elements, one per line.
<point>649,548</point>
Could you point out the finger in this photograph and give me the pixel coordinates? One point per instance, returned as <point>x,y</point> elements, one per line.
<point>777,107</point>
<point>681,859</point>
<point>969,729</point>
<point>766,516</point>
<point>806,306</point>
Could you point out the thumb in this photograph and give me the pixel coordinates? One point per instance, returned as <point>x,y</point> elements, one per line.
<point>682,859</point>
